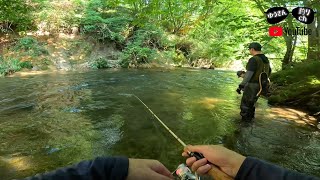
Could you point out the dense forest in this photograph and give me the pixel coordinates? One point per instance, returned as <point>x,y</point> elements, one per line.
<point>72,73</point>
<point>77,34</point>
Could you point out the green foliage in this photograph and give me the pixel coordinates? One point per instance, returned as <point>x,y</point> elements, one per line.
<point>105,30</point>
<point>15,15</point>
<point>9,66</point>
<point>217,30</point>
<point>14,65</point>
<point>59,15</point>
<point>137,55</point>
<point>144,45</point>
<point>297,86</point>
<point>103,25</point>
<point>42,64</point>
<point>99,63</point>
<point>31,46</point>
<point>298,73</point>
<point>26,43</point>
<point>173,15</point>
<point>26,64</point>
<point>179,58</point>
<point>151,36</point>
<point>222,35</point>
<point>3,66</point>
<point>166,57</point>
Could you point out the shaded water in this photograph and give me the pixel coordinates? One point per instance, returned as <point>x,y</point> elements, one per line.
<point>54,120</point>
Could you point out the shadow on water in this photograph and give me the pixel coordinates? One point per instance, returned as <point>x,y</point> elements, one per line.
<point>54,120</point>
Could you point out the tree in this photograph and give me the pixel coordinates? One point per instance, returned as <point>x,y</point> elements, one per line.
<point>290,39</point>
<point>314,38</point>
<point>175,15</point>
<point>15,15</point>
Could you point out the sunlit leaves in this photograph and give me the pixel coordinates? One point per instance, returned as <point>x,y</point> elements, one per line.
<point>15,15</point>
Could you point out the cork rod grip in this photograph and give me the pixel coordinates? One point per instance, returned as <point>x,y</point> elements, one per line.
<point>217,174</point>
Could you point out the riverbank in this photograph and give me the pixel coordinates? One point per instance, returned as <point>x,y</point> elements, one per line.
<point>298,87</point>
<point>72,52</point>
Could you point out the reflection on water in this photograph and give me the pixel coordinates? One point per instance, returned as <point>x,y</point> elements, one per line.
<point>54,120</point>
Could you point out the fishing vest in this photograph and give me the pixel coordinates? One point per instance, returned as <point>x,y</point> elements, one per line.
<point>261,67</point>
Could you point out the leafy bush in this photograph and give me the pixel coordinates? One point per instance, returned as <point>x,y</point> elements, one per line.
<point>2,66</point>
<point>31,46</point>
<point>151,36</point>
<point>59,15</point>
<point>185,46</point>
<point>99,63</point>
<point>137,55</point>
<point>144,44</point>
<point>14,65</point>
<point>9,66</point>
<point>26,43</point>
<point>26,64</point>
<point>297,85</point>
<point>105,29</point>
<point>15,16</point>
<point>299,72</point>
<point>103,25</point>
<point>179,58</point>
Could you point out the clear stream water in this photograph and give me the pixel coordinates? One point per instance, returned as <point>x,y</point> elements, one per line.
<point>54,120</point>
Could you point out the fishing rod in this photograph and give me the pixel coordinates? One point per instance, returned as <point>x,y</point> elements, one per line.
<point>214,172</point>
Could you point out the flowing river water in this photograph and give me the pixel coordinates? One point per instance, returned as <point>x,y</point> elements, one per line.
<point>58,119</point>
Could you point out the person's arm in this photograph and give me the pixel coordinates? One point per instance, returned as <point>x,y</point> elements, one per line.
<point>101,168</point>
<point>254,169</point>
<point>237,166</point>
<point>247,76</point>
<point>110,168</point>
<point>251,68</point>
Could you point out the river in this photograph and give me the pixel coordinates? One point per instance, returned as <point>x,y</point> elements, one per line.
<point>57,119</point>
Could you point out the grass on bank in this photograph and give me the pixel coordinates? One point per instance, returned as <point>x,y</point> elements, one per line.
<point>298,86</point>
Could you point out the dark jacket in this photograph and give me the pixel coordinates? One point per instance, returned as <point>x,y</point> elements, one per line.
<point>255,169</point>
<point>101,168</point>
<point>258,64</point>
<point>116,168</point>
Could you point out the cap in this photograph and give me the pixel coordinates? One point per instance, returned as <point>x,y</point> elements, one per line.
<point>256,46</point>
<point>239,73</point>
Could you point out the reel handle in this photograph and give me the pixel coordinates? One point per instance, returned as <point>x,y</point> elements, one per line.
<point>214,172</point>
<point>197,155</point>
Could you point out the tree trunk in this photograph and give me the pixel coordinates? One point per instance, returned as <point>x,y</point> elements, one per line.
<point>293,47</point>
<point>290,44</point>
<point>314,38</point>
<point>289,39</point>
<point>312,42</point>
<point>288,56</point>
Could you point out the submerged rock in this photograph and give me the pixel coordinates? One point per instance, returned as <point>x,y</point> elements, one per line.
<point>73,110</point>
<point>51,150</point>
<point>203,64</point>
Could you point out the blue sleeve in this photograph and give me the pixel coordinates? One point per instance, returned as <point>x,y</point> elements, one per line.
<point>101,168</point>
<point>255,169</point>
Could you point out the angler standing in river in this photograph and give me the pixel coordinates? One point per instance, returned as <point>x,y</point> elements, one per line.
<point>257,64</point>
